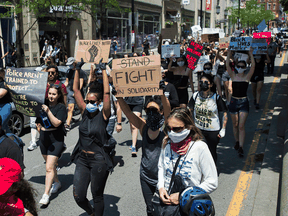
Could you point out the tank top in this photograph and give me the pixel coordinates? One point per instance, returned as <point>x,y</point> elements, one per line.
<point>150,156</point>
<point>183,80</point>
<point>240,89</point>
<point>92,132</point>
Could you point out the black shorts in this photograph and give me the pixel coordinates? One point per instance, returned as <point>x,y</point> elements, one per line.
<point>183,96</point>
<point>238,105</point>
<point>51,142</point>
<point>257,77</point>
<point>136,108</point>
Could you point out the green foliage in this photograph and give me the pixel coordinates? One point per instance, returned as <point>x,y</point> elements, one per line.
<point>253,14</point>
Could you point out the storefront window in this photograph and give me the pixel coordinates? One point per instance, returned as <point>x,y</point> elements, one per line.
<point>187,23</point>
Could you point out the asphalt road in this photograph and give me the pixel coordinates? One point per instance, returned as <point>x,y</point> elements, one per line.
<point>123,194</point>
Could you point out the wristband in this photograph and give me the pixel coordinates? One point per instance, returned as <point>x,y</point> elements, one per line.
<point>119,123</point>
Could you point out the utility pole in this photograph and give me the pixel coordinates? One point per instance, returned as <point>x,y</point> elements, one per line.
<point>239,15</point>
<point>133,25</point>
<point>201,14</point>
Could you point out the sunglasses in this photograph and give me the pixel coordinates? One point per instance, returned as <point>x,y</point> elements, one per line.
<point>175,129</point>
<point>90,101</point>
<point>206,82</point>
<point>207,68</point>
<point>51,72</point>
<point>152,109</point>
<point>241,66</point>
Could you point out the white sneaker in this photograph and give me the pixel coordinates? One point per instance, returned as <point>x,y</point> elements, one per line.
<point>32,146</point>
<point>44,200</point>
<point>55,187</point>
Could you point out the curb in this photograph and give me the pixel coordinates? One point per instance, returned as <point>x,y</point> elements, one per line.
<point>284,180</point>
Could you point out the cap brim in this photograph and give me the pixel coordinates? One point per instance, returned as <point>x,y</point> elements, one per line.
<point>69,63</point>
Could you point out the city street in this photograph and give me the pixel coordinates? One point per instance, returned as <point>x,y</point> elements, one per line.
<point>244,183</point>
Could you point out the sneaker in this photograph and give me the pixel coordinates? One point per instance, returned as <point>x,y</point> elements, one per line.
<point>240,152</point>
<point>134,152</point>
<point>44,200</point>
<point>32,146</point>
<point>55,187</point>
<point>67,127</point>
<point>130,147</point>
<point>236,147</point>
<point>257,106</point>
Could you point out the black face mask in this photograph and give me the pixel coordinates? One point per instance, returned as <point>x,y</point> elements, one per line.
<point>155,120</point>
<point>204,86</point>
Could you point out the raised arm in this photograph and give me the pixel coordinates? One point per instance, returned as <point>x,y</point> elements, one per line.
<point>106,92</point>
<point>76,88</point>
<point>164,100</point>
<point>170,64</point>
<point>252,69</point>
<point>190,74</point>
<point>229,70</point>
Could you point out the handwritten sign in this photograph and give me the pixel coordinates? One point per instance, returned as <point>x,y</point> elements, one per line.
<point>137,76</point>
<point>27,88</point>
<point>92,51</point>
<point>224,42</point>
<point>168,51</point>
<point>202,60</point>
<point>260,46</point>
<point>193,54</point>
<point>263,35</point>
<point>240,43</point>
<point>169,33</point>
<point>209,37</point>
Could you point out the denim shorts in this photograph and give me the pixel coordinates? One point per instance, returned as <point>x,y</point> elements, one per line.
<point>238,105</point>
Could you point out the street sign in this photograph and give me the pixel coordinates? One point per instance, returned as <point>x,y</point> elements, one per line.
<point>185,2</point>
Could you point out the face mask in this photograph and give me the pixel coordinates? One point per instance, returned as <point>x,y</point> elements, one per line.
<point>45,44</point>
<point>240,70</point>
<point>180,63</point>
<point>204,86</point>
<point>207,71</point>
<point>155,120</point>
<point>100,80</point>
<point>71,66</point>
<point>178,137</point>
<point>91,108</point>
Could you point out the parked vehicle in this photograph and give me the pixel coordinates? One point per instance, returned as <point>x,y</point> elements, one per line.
<point>18,121</point>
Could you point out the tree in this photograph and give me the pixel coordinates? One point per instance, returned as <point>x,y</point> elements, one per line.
<point>252,14</point>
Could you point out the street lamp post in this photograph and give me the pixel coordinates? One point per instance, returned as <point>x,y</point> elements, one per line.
<point>239,15</point>
<point>201,13</point>
<point>133,24</point>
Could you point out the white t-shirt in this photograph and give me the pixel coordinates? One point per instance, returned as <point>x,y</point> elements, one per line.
<point>48,50</point>
<point>197,167</point>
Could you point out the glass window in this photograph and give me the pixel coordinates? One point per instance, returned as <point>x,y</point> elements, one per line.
<point>140,16</point>
<point>112,13</point>
<point>125,15</point>
<point>148,17</point>
<point>156,18</point>
<point>274,6</point>
<point>269,6</point>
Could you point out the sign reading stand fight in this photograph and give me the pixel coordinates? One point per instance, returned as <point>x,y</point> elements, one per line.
<point>27,89</point>
<point>193,54</point>
<point>137,76</point>
<point>240,43</point>
<point>168,51</point>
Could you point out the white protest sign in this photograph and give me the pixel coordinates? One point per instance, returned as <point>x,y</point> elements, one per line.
<point>210,31</point>
<point>221,34</point>
<point>195,28</point>
<point>241,56</point>
<point>201,62</point>
<point>168,51</point>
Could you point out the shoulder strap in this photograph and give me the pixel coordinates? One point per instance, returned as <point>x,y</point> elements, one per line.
<point>174,171</point>
<point>2,138</point>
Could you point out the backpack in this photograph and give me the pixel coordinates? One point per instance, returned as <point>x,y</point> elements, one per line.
<point>15,139</point>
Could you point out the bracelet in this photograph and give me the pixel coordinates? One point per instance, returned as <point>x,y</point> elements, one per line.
<point>119,123</point>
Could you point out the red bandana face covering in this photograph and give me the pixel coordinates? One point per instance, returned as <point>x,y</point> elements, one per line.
<point>181,145</point>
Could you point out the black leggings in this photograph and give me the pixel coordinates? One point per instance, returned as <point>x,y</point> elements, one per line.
<point>212,141</point>
<point>90,168</point>
<point>148,190</point>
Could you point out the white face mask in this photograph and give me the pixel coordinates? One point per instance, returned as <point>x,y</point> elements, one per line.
<point>178,137</point>
<point>207,71</point>
<point>240,70</point>
<point>180,63</point>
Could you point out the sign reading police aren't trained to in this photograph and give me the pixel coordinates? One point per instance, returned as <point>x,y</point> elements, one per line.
<point>27,88</point>
<point>137,76</point>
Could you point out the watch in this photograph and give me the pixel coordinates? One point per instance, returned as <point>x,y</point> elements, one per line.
<point>119,123</point>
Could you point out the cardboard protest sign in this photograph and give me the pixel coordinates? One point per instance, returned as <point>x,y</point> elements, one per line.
<point>202,60</point>
<point>195,28</point>
<point>168,51</point>
<point>137,76</point>
<point>262,25</point>
<point>92,51</point>
<point>169,33</point>
<point>240,43</point>
<point>193,54</point>
<point>224,42</point>
<point>209,37</point>
<point>264,35</point>
<point>27,88</point>
<point>260,46</point>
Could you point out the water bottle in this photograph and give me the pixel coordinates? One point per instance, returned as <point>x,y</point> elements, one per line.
<point>45,119</point>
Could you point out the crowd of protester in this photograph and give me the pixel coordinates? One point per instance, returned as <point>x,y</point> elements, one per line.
<point>179,134</point>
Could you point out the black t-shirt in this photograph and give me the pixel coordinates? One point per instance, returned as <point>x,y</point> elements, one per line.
<point>259,67</point>
<point>7,97</point>
<point>10,149</point>
<point>59,111</point>
<point>71,75</point>
<point>146,45</point>
<point>92,132</point>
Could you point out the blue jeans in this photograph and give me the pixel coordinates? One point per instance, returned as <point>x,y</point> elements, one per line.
<point>6,113</point>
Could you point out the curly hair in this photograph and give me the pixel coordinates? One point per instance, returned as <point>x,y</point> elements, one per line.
<point>27,194</point>
<point>96,88</point>
<point>184,115</point>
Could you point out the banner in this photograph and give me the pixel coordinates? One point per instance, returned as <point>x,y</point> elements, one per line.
<point>202,60</point>
<point>27,88</point>
<point>92,51</point>
<point>137,76</point>
<point>168,51</point>
<point>263,35</point>
<point>193,54</point>
<point>224,42</point>
<point>208,5</point>
<point>260,46</point>
<point>240,43</point>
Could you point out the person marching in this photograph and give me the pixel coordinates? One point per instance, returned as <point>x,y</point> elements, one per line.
<point>52,132</point>
<point>239,104</point>
<point>257,80</point>
<point>93,163</point>
<point>152,136</point>
<point>206,106</point>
